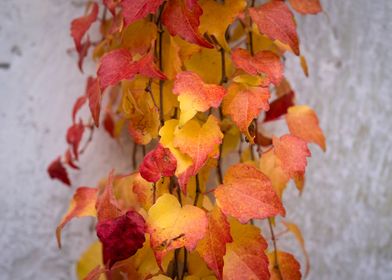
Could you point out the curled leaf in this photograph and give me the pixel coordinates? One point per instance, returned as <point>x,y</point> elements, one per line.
<point>82,205</point>
<point>158,163</point>
<point>74,136</point>
<point>56,170</point>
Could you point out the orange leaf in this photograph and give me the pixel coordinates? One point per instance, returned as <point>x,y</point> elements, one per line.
<point>106,205</point>
<point>245,258</point>
<point>195,96</point>
<point>306,6</point>
<point>198,142</point>
<point>244,103</point>
<point>172,226</point>
<point>303,123</point>
<point>292,152</point>
<point>138,9</point>
<point>119,65</point>
<point>275,20</point>
<point>264,62</point>
<point>82,205</point>
<point>182,18</point>
<point>247,194</point>
<point>295,230</point>
<point>80,26</point>
<point>212,247</point>
<point>289,267</point>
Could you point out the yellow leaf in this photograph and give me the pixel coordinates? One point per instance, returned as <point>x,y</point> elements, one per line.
<point>171,60</point>
<point>167,138</point>
<point>169,225</point>
<point>90,259</point>
<point>138,36</point>
<point>216,25</point>
<point>209,59</point>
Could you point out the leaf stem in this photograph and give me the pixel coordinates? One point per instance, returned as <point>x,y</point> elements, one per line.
<point>197,189</point>
<point>185,265</point>
<point>276,264</point>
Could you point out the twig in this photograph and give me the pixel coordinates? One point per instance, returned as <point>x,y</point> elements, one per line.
<point>276,264</point>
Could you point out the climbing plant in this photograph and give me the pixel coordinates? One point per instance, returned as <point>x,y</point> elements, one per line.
<point>198,86</point>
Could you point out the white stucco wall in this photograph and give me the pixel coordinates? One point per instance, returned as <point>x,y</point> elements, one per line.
<point>345,211</point>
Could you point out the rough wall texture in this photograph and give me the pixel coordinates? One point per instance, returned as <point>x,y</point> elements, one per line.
<point>345,211</point>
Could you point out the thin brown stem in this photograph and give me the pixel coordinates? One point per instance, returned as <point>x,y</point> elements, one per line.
<point>276,264</point>
<point>197,193</point>
<point>185,265</point>
<point>154,193</point>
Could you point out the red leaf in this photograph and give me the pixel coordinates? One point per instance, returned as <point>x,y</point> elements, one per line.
<point>121,237</point>
<point>138,9</point>
<point>83,53</point>
<point>108,124</point>
<point>275,20</point>
<point>74,136</point>
<point>111,5</point>
<point>77,106</point>
<point>182,18</point>
<point>262,62</point>
<point>306,6</point>
<point>279,106</point>
<point>80,26</point>
<point>57,171</point>
<point>69,159</point>
<point>158,163</point>
<point>94,95</point>
<point>118,65</point>
<point>107,205</point>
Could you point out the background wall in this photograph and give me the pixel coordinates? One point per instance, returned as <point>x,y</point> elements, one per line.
<point>345,211</point>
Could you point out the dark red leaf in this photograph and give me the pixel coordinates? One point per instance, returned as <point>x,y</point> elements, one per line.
<point>138,9</point>
<point>94,94</point>
<point>74,136</point>
<point>81,25</point>
<point>279,106</point>
<point>108,124</point>
<point>182,18</point>
<point>118,65</point>
<point>158,163</point>
<point>57,171</point>
<point>121,237</point>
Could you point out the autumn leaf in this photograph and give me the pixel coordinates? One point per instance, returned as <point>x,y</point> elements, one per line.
<point>215,25</point>
<point>306,6</point>
<point>292,152</point>
<point>89,260</point>
<point>138,37</point>
<point>172,226</point>
<point>195,96</point>
<point>212,247</point>
<point>119,65</point>
<point>199,142</point>
<point>303,123</point>
<point>121,237</point>
<point>244,103</point>
<point>182,18</point>
<point>295,230</point>
<point>171,61</point>
<point>68,159</point>
<point>304,65</point>
<point>56,170</point>
<point>279,106</point>
<point>289,268</point>
<point>81,25</point>
<point>275,20</point>
<point>245,258</point>
<point>74,136</point>
<point>77,106</point>
<point>271,167</point>
<point>94,95</point>
<point>167,133</point>
<point>106,205</point>
<point>246,194</point>
<point>82,205</point>
<point>264,62</point>
<point>158,163</point>
<point>138,9</point>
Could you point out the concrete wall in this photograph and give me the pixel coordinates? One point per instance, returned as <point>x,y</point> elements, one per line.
<point>345,211</point>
